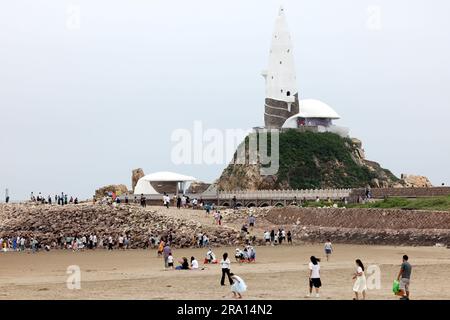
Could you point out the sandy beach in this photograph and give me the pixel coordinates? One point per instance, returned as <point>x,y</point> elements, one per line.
<point>279,273</point>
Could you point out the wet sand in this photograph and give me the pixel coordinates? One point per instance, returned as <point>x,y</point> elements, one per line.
<point>279,273</point>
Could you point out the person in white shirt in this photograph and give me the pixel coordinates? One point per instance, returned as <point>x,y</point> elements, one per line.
<point>267,237</point>
<point>110,243</point>
<point>225,264</point>
<point>360,285</point>
<point>314,276</point>
<point>194,264</point>
<point>170,261</point>
<point>121,239</point>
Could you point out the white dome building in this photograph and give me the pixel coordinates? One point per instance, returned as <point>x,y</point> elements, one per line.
<point>317,116</point>
<point>160,182</point>
<point>312,113</point>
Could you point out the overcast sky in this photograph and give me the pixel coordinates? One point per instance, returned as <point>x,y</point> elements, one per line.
<point>86,98</point>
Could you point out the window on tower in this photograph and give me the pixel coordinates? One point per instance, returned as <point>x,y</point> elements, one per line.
<point>288,93</point>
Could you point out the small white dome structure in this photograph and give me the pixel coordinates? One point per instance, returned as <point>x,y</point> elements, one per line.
<point>158,182</point>
<point>312,112</point>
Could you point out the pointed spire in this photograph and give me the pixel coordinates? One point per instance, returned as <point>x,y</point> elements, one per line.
<point>280,74</point>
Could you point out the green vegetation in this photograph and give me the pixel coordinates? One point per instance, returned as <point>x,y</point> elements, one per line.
<point>429,203</point>
<point>319,160</point>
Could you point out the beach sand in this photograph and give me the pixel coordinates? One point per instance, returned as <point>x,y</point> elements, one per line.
<point>279,273</point>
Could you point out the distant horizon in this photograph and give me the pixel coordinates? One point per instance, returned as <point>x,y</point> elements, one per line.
<point>86,97</point>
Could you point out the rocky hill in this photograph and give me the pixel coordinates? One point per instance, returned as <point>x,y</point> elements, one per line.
<point>311,161</point>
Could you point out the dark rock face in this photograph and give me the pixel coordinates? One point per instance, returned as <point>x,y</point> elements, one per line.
<point>277,112</point>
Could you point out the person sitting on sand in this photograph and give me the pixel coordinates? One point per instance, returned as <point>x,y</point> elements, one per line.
<point>251,254</point>
<point>194,263</point>
<point>238,287</point>
<point>360,285</point>
<point>210,257</point>
<point>184,264</point>
<point>239,255</point>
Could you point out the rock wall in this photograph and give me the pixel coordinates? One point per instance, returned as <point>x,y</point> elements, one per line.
<point>47,223</point>
<point>365,226</point>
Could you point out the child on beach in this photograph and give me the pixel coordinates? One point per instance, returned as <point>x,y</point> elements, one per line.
<point>360,285</point>
<point>170,261</point>
<point>238,286</point>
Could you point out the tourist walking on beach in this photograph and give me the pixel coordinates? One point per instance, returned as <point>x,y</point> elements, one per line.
<point>328,249</point>
<point>238,286</point>
<point>404,277</point>
<point>110,243</point>
<point>314,276</point>
<point>251,221</point>
<point>225,264</point>
<point>360,285</point>
<point>167,251</point>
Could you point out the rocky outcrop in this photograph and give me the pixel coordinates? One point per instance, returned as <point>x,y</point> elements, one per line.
<point>411,181</point>
<point>198,187</point>
<point>136,174</point>
<point>309,160</point>
<point>118,189</point>
<point>47,223</point>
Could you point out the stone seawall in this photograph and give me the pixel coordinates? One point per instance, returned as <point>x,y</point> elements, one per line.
<point>365,226</point>
<point>47,223</point>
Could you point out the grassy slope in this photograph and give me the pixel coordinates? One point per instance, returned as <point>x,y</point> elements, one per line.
<point>434,203</point>
<point>319,160</point>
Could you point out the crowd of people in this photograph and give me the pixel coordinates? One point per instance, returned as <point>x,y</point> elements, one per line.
<point>62,199</point>
<point>277,237</point>
<point>21,244</point>
<point>75,243</point>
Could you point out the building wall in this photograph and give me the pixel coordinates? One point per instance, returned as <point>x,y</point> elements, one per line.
<point>277,112</point>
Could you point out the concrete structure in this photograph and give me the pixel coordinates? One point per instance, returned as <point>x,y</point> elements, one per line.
<point>159,183</point>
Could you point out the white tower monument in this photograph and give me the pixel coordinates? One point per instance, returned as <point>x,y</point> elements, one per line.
<point>281,88</point>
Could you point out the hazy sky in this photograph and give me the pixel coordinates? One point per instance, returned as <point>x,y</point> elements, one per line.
<point>85,99</point>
